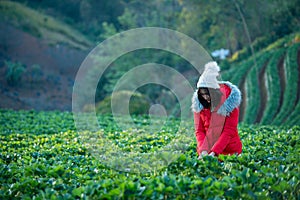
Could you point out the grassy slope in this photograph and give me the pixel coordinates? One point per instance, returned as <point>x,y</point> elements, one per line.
<point>41,25</point>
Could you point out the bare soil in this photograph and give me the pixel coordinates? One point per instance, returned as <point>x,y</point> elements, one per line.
<point>52,90</point>
<point>282,80</point>
<point>298,62</point>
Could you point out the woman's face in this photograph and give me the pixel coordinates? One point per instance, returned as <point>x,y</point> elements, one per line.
<point>204,97</point>
<point>208,97</point>
<point>204,93</point>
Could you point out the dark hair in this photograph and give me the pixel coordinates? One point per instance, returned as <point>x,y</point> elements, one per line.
<point>215,96</point>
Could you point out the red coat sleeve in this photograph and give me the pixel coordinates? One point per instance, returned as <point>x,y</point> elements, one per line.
<point>199,130</point>
<point>229,131</point>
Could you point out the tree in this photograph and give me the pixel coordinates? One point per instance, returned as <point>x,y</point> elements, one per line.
<point>14,72</point>
<point>218,24</point>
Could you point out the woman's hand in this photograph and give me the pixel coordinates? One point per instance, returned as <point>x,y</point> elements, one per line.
<point>203,153</point>
<point>212,154</point>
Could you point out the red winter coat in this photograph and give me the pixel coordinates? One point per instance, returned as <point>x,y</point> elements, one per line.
<point>216,131</point>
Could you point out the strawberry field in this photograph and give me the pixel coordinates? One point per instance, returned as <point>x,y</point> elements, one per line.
<point>42,156</point>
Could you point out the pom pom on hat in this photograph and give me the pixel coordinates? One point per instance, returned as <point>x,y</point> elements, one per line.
<point>209,76</point>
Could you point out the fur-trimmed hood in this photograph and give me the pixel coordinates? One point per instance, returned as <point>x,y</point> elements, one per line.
<point>232,101</point>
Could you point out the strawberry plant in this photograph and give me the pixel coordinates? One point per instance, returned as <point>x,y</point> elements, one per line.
<point>42,156</point>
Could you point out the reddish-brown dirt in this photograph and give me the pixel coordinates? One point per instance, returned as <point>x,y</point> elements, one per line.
<point>298,62</point>
<point>243,103</point>
<point>58,63</point>
<point>282,81</point>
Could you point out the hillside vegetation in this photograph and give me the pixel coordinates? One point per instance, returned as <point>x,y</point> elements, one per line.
<point>42,25</point>
<point>270,82</point>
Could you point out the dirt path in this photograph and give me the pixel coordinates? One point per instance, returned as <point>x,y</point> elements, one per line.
<point>298,63</point>
<point>243,103</point>
<point>242,86</point>
<point>282,81</point>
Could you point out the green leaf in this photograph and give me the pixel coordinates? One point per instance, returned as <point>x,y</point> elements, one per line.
<point>77,191</point>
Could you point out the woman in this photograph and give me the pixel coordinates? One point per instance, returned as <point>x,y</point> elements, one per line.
<point>216,112</point>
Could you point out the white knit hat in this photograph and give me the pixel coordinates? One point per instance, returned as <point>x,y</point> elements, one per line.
<point>209,76</point>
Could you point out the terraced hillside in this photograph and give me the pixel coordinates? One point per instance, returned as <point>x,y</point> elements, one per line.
<point>270,83</point>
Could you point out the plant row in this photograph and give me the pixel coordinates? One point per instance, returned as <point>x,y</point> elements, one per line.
<point>294,116</point>
<point>273,87</point>
<point>279,63</point>
<point>253,89</point>
<point>236,73</point>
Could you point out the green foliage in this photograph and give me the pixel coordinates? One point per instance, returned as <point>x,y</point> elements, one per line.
<point>273,85</point>
<point>218,24</point>
<point>42,25</point>
<point>32,122</point>
<point>285,18</point>
<point>253,89</point>
<point>294,118</point>
<point>281,98</point>
<point>241,55</point>
<point>264,44</point>
<point>200,21</point>
<point>42,164</point>
<point>108,31</point>
<point>215,24</point>
<point>238,72</point>
<point>291,88</point>
<point>84,15</point>
<point>283,42</point>
<point>34,73</point>
<point>224,64</point>
<point>130,60</point>
<point>154,13</point>
<point>14,72</point>
<point>138,103</point>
